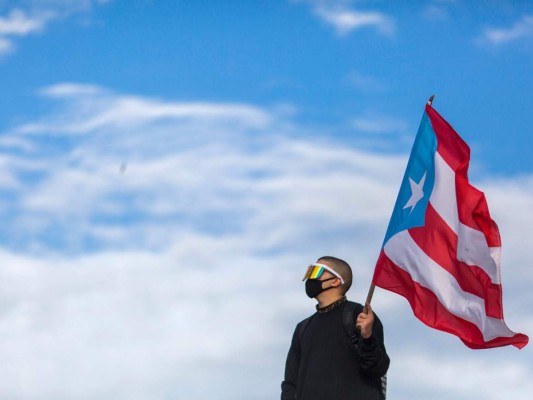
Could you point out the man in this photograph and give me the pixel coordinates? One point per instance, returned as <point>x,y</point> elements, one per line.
<point>324,363</point>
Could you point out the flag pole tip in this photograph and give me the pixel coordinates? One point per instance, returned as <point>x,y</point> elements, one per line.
<point>430,101</point>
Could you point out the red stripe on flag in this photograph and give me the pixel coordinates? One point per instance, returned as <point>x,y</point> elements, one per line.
<point>450,145</point>
<point>430,311</point>
<point>474,211</point>
<point>439,242</point>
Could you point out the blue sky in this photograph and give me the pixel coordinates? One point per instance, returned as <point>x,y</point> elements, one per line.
<point>168,168</point>
<point>287,51</point>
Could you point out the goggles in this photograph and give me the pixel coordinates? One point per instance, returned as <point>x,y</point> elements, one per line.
<point>315,271</point>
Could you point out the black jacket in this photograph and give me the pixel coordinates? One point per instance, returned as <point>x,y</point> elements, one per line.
<point>323,364</point>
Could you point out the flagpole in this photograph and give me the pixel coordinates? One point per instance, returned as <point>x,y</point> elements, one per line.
<point>369,296</point>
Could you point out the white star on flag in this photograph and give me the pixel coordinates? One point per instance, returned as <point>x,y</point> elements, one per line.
<point>417,193</point>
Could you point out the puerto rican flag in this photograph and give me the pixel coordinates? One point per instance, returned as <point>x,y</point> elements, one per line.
<point>442,249</point>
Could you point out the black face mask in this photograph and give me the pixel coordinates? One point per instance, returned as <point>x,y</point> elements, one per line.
<point>313,287</point>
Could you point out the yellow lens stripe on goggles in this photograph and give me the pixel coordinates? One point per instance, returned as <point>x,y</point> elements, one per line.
<point>315,271</point>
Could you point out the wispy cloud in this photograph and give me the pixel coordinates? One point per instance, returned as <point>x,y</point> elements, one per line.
<point>32,17</point>
<point>366,83</point>
<point>95,108</point>
<point>435,12</point>
<point>20,24</point>
<point>205,145</point>
<point>17,24</point>
<point>344,18</point>
<point>373,123</point>
<point>347,20</point>
<point>439,10</point>
<point>113,280</point>
<point>521,29</point>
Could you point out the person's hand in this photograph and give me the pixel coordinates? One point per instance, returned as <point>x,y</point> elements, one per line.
<point>365,321</point>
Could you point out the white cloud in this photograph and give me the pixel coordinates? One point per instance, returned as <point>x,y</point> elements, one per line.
<point>32,17</point>
<point>19,23</point>
<point>521,29</point>
<point>115,324</point>
<point>186,267</point>
<point>202,153</point>
<point>96,108</point>
<point>346,19</point>
<point>462,375</point>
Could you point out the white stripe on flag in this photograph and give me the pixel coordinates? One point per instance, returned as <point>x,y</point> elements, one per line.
<point>405,253</point>
<point>443,198</point>
<point>472,247</point>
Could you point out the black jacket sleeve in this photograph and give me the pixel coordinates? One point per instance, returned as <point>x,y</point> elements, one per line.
<point>373,358</point>
<point>288,386</point>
